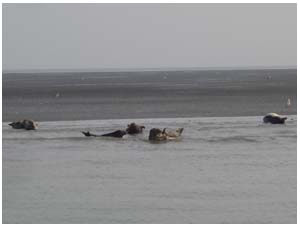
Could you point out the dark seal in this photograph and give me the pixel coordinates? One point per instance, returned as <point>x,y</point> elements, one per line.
<point>26,124</point>
<point>117,134</point>
<point>157,135</point>
<point>274,118</point>
<point>133,128</point>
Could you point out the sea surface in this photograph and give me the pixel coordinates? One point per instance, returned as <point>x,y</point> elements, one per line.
<point>222,170</point>
<point>228,166</point>
<point>152,94</point>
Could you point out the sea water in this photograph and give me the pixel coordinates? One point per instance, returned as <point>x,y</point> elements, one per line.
<point>156,94</point>
<point>222,170</point>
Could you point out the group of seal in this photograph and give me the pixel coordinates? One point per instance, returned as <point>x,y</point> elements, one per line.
<point>133,128</point>
<point>155,134</point>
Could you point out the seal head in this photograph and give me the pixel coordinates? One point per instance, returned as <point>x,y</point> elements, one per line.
<point>133,128</point>
<point>157,135</point>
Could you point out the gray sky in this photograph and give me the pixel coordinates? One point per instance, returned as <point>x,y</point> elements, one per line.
<point>98,36</point>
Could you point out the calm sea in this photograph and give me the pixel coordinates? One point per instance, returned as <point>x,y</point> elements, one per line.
<point>158,94</point>
<point>223,170</point>
<point>228,167</point>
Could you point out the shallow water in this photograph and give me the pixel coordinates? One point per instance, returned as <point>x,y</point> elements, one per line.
<point>222,170</point>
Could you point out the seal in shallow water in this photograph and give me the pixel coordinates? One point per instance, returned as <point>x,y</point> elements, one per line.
<point>274,118</point>
<point>171,133</point>
<point>133,128</point>
<point>27,124</point>
<point>117,134</point>
<point>158,135</point>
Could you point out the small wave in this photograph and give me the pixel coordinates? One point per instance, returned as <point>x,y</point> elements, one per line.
<point>233,139</point>
<point>47,138</point>
<point>288,136</point>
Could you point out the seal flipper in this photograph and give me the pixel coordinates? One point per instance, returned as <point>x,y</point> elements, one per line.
<point>17,125</point>
<point>180,130</point>
<point>88,134</point>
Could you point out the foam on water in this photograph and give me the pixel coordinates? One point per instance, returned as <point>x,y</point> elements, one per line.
<point>222,170</point>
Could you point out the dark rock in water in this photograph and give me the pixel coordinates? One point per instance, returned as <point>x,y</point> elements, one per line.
<point>27,124</point>
<point>274,118</point>
<point>117,134</point>
<point>134,128</point>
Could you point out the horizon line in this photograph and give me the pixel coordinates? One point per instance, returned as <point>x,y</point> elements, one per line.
<point>140,69</point>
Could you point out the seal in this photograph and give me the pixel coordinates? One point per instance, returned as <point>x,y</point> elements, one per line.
<point>161,135</point>
<point>156,135</point>
<point>274,118</point>
<point>26,124</point>
<point>117,134</point>
<point>133,128</point>
<point>173,134</point>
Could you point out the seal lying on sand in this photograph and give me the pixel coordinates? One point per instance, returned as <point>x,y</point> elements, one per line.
<point>274,118</point>
<point>27,124</point>
<point>158,135</point>
<point>133,128</point>
<point>117,134</point>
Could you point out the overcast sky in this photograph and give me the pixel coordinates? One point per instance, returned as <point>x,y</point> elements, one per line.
<point>99,36</point>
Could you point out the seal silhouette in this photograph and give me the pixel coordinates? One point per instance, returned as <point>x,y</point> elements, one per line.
<point>173,134</point>
<point>133,128</point>
<point>274,118</point>
<point>117,134</point>
<point>156,134</point>
<point>26,124</point>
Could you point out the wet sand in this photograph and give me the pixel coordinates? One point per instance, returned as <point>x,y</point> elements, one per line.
<point>125,95</point>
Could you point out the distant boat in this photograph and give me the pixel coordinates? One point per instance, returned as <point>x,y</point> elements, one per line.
<point>288,103</point>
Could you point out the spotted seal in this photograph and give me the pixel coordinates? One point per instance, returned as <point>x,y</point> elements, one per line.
<point>156,134</point>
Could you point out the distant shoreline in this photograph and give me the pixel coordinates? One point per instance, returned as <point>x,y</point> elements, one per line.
<point>126,70</point>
